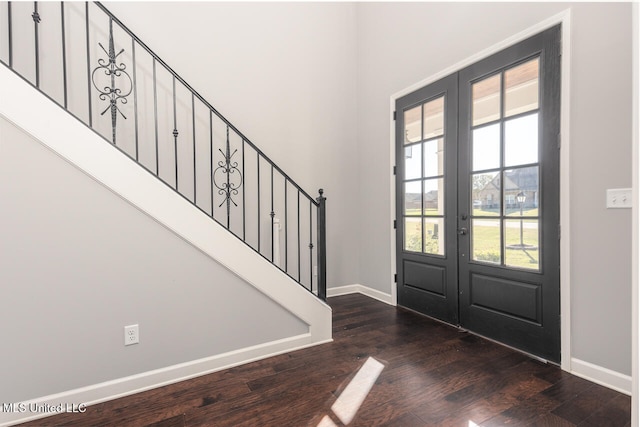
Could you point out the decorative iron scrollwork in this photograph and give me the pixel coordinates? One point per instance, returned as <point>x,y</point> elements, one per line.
<point>224,177</point>
<point>113,71</point>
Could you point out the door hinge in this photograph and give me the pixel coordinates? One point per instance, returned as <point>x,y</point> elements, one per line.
<point>394,170</point>
<point>559,141</point>
<point>560,47</point>
<point>395,115</point>
<point>395,278</point>
<point>559,232</point>
<point>395,224</point>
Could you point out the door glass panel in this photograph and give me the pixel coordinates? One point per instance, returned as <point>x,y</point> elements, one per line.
<point>486,100</point>
<point>434,118</point>
<point>413,125</point>
<point>521,140</point>
<point>521,88</point>
<point>486,194</point>
<point>413,234</point>
<point>434,158</point>
<point>412,197</point>
<point>485,240</point>
<point>433,201</point>
<point>521,192</point>
<point>434,236</point>
<point>413,161</point>
<point>486,147</point>
<point>521,240</point>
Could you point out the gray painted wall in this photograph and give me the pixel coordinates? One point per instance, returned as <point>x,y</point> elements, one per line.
<point>402,44</point>
<point>78,263</point>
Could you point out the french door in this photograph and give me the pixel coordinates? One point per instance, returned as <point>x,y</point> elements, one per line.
<point>477,187</point>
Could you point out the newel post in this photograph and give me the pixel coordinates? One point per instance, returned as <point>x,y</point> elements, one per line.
<point>322,246</point>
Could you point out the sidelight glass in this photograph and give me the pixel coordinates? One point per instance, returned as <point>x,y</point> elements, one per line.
<point>521,88</point>
<point>433,113</point>
<point>413,234</point>
<point>486,100</point>
<point>521,140</point>
<point>413,161</point>
<point>413,125</point>
<point>486,147</point>
<point>521,243</point>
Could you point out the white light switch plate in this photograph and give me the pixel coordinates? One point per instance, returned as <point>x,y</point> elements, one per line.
<point>619,198</point>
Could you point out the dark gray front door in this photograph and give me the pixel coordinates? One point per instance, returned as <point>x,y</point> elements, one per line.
<point>478,197</point>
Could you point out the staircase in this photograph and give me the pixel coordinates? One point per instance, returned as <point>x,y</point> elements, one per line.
<point>119,113</point>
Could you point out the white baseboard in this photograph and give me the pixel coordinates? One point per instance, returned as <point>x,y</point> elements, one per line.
<point>361,289</point>
<point>97,393</point>
<point>603,376</point>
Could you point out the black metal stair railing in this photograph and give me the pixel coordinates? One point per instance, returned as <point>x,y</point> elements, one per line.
<point>83,58</point>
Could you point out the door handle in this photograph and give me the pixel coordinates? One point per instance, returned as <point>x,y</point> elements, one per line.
<point>463,231</point>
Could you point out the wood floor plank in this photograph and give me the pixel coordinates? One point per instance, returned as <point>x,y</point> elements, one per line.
<point>433,375</point>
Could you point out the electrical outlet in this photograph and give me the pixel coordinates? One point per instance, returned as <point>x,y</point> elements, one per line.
<point>131,335</point>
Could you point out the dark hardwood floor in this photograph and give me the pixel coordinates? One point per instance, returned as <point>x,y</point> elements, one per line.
<point>432,375</point>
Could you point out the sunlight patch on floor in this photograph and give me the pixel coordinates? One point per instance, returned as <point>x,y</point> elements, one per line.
<point>347,404</point>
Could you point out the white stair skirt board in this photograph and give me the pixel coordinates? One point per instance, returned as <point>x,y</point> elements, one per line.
<point>361,289</point>
<point>24,106</point>
<point>603,376</point>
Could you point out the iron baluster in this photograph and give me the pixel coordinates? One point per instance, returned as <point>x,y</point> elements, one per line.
<point>112,93</point>
<point>175,135</point>
<point>272,214</point>
<point>228,169</point>
<point>299,273</point>
<point>211,155</point>
<point>155,114</point>
<point>244,201</point>
<point>86,13</point>
<point>193,122</point>
<point>135,95</point>
<point>10,33</point>
<point>64,55</point>
<point>36,20</point>
<point>258,179</point>
<point>322,245</point>
<point>286,227</point>
<point>310,245</point>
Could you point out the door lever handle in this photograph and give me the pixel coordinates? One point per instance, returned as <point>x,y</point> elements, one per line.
<point>463,231</point>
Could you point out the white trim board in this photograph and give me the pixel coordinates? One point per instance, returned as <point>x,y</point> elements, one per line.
<point>361,289</point>
<point>563,18</point>
<point>603,376</point>
<point>127,386</point>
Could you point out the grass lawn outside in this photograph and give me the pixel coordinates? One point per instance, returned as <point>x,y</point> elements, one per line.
<point>485,235</point>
